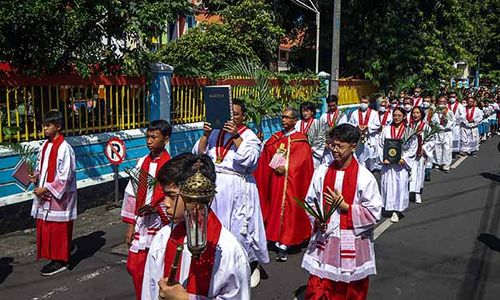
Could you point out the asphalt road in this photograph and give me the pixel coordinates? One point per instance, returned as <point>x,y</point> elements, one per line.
<point>448,247</point>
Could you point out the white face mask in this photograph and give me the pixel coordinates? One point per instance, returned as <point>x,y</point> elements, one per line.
<point>394,105</point>
<point>363,106</point>
<point>464,104</point>
<point>441,105</point>
<point>407,107</point>
<point>382,109</point>
<point>453,100</point>
<point>426,105</point>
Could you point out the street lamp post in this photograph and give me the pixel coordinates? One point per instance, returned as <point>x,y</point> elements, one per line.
<point>310,5</point>
<point>334,74</point>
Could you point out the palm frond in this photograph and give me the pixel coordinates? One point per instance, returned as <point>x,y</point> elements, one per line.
<point>138,183</point>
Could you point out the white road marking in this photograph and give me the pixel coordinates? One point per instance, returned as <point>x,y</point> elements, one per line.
<point>52,293</point>
<point>93,274</point>
<point>458,162</point>
<point>381,228</point>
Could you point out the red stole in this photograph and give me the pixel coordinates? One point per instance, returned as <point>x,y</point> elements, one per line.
<point>331,118</point>
<point>200,270</point>
<point>361,121</point>
<point>142,192</point>
<point>419,127</point>
<point>349,184</point>
<point>221,149</point>
<point>305,125</point>
<point>51,168</point>
<point>470,114</point>
<point>417,101</point>
<point>383,121</point>
<point>400,131</point>
<point>454,108</point>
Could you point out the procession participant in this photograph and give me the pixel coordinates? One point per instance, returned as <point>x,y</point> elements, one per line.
<point>424,152</point>
<point>428,104</point>
<point>340,256</point>
<point>368,123</point>
<point>221,270</point>
<point>329,120</point>
<point>235,150</point>
<point>55,202</point>
<point>141,208</point>
<point>313,130</point>
<point>417,96</point>
<point>395,177</point>
<point>443,118</point>
<point>469,134</point>
<point>284,171</point>
<point>402,96</point>
<point>394,103</point>
<point>407,106</point>
<point>385,117</point>
<point>458,111</point>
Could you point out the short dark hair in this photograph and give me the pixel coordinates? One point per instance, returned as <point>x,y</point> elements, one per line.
<point>171,171</point>
<point>400,109</point>
<point>295,113</point>
<point>345,133</point>
<point>241,104</point>
<point>332,98</point>
<point>163,126</point>
<point>53,116</point>
<point>307,105</point>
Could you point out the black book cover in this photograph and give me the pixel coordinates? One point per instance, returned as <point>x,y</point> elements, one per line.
<point>218,106</point>
<point>392,150</point>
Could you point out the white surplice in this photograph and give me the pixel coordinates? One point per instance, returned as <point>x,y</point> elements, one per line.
<point>237,202</point>
<point>417,176</point>
<point>443,140</point>
<point>316,138</point>
<point>458,111</point>
<point>469,133</point>
<point>366,152</point>
<point>62,207</point>
<point>230,273</point>
<point>394,177</point>
<point>366,210</point>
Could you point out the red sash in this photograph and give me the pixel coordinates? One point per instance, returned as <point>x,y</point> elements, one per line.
<point>470,113</point>
<point>364,122</point>
<point>142,192</point>
<point>331,118</point>
<point>221,149</point>
<point>419,128</point>
<point>349,184</point>
<point>399,134</point>
<point>383,121</point>
<point>454,109</point>
<point>304,126</point>
<point>52,167</point>
<point>416,101</point>
<point>200,270</point>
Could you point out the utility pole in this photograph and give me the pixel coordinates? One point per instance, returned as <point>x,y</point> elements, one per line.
<point>310,5</point>
<point>334,74</point>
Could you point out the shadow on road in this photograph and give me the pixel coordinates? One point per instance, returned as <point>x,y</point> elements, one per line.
<point>5,268</point>
<point>490,241</point>
<point>86,246</point>
<point>491,176</point>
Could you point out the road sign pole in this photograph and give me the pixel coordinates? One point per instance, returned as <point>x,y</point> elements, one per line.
<point>117,196</point>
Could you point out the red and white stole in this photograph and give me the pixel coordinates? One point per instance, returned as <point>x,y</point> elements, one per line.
<point>417,101</point>
<point>200,270</point>
<point>383,120</point>
<point>349,187</point>
<point>221,149</point>
<point>470,113</point>
<point>419,127</point>
<point>305,125</point>
<point>361,121</point>
<point>397,133</point>
<point>142,190</point>
<point>52,163</point>
<point>331,118</point>
<point>453,107</point>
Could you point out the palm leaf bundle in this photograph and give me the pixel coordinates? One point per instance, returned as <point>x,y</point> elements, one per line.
<point>315,211</point>
<point>136,174</point>
<point>27,153</point>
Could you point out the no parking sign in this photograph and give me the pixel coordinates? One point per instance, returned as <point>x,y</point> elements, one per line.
<point>115,150</point>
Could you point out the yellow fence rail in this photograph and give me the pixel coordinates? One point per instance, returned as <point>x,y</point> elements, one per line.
<point>93,105</point>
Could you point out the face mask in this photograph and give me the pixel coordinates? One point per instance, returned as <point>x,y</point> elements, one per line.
<point>441,105</point>
<point>464,104</point>
<point>382,109</point>
<point>453,100</point>
<point>407,107</point>
<point>363,106</point>
<point>425,105</point>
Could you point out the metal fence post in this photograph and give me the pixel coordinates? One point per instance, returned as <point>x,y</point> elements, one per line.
<point>160,102</point>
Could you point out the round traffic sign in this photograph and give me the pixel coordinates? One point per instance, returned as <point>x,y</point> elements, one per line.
<point>115,150</point>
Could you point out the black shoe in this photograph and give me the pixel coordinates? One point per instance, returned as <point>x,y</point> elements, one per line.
<point>53,268</point>
<point>282,256</point>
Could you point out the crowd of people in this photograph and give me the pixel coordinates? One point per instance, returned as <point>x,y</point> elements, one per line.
<point>311,183</point>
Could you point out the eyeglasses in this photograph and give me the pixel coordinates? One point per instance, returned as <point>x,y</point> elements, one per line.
<point>339,147</point>
<point>287,117</point>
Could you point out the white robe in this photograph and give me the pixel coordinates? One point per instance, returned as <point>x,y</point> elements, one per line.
<point>62,207</point>
<point>366,210</point>
<point>459,117</point>
<point>366,153</point>
<point>417,176</point>
<point>230,273</point>
<point>377,163</point>
<point>395,178</point>
<point>342,118</point>
<point>316,138</point>
<point>469,133</point>
<point>237,202</point>
<point>443,141</point>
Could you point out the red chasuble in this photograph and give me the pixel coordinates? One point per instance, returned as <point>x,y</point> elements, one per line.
<point>200,270</point>
<point>285,221</point>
